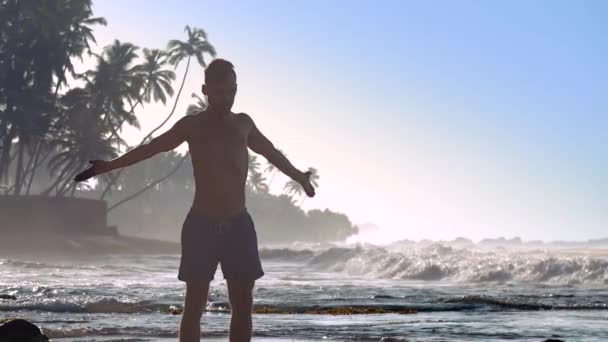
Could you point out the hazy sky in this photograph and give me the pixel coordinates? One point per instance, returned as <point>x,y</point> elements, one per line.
<point>432,119</point>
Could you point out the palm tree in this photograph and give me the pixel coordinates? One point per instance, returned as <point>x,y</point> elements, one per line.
<point>151,185</point>
<point>78,16</point>
<point>313,178</point>
<point>32,124</point>
<point>197,107</point>
<point>150,83</point>
<point>152,78</point>
<point>253,165</point>
<point>270,168</point>
<point>292,187</point>
<point>112,83</point>
<point>196,45</point>
<point>142,174</point>
<point>257,183</point>
<point>83,138</point>
<point>30,68</point>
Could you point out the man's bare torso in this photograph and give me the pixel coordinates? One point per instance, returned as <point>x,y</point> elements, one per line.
<point>218,148</point>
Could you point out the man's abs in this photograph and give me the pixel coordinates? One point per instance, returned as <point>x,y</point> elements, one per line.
<point>220,183</point>
<point>219,200</point>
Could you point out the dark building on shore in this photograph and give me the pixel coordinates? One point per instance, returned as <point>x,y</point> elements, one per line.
<point>57,216</point>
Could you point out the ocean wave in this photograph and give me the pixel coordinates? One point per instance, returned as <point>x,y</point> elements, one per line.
<point>285,254</point>
<point>42,265</point>
<point>433,262</point>
<point>439,262</point>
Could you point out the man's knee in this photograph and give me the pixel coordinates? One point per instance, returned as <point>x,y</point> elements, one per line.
<point>196,298</point>
<point>240,295</point>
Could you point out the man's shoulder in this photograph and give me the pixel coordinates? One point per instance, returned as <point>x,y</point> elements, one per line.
<point>191,119</point>
<point>245,118</point>
<point>195,116</point>
<point>185,124</point>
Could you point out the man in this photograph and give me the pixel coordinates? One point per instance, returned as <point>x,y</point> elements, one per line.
<point>217,227</point>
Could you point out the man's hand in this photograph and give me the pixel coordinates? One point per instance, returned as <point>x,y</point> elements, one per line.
<point>305,182</point>
<point>97,167</point>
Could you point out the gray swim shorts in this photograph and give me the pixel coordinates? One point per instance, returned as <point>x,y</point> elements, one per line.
<point>232,242</point>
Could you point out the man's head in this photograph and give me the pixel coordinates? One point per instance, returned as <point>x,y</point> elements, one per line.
<point>220,85</point>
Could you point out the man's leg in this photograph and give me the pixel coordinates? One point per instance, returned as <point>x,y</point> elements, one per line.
<point>195,302</point>
<point>241,303</point>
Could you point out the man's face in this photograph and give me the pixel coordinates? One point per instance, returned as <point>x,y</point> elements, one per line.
<point>221,93</point>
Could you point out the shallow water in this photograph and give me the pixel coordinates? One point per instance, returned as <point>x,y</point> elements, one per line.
<point>541,295</point>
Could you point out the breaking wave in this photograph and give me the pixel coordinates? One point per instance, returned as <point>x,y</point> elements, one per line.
<point>439,262</point>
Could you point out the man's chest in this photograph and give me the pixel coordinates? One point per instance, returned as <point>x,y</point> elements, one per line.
<point>220,137</point>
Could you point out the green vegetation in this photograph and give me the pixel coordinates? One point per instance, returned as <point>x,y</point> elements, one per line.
<point>54,119</point>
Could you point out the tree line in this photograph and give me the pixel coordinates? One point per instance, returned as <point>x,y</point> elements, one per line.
<point>54,118</point>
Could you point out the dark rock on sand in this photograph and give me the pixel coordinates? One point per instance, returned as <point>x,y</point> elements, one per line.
<point>553,340</point>
<point>332,310</point>
<point>16,329</point>
<point>5,296</point>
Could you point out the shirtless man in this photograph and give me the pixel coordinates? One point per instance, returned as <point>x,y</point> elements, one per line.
<point>218,227</point>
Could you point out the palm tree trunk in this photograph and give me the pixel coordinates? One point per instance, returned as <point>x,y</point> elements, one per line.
<point>6,153</point>
<point>31,162</point>
<point>3,127</point>
<point>115,134</point>
<point>271,178</point>
<point>7,189</point>
<point>63,188</point>
<point>73,190</point>
<point>66,184</point>
<point>119,126</point>
<point>19,171</point>
<point>133,106</point>
<point>115,178</point>
<point>60,79</point>
<point>59,179</point>
<point>179,164</point>
<point>35,166</point>
<point>174,104</point>
<point>114,130</point>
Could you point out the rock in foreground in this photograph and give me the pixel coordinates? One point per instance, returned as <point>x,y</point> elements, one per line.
<point>16,329</point>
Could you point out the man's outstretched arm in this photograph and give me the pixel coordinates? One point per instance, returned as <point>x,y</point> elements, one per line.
<point>164,142</point>
<point>260,144</point>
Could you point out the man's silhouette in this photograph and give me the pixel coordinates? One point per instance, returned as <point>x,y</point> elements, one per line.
<point>218,227</point>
